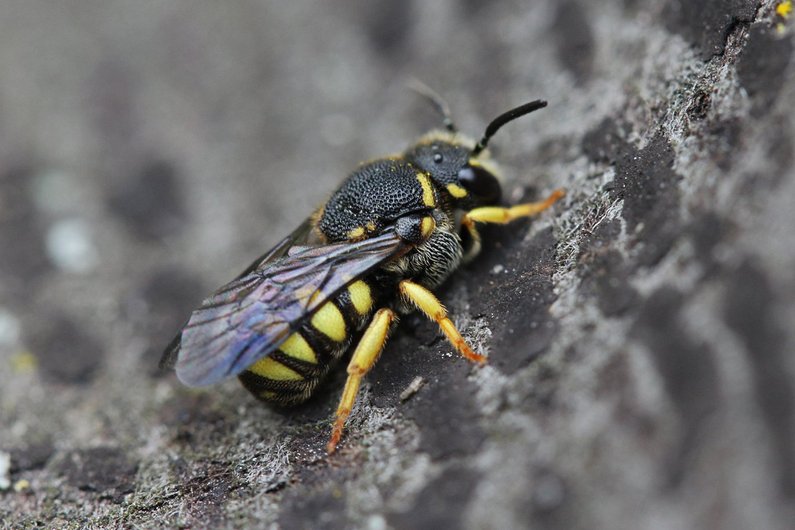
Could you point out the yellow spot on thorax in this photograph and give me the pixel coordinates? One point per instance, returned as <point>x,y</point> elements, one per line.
<point>427,225</point>
<point>24,362</point>
<point>270,369</point>
<point>456,191</point>
<point>328,320</point>
<point>296,347</point>
<point>428,198</point>
<point>361,297</point>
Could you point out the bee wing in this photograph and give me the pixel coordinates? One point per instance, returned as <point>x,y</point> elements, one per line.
<point>299,235</point>
<point>250,317</point>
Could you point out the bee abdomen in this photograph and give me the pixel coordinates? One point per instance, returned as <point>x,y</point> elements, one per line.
<point>289,375</point>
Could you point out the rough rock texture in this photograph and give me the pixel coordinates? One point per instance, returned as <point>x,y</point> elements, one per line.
<point>640,334</point>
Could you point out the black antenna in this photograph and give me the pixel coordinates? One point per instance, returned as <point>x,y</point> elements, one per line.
<point>504,118</point>
<point>436,100</point>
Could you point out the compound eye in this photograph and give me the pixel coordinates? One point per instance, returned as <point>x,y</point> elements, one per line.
<point>480,183</point>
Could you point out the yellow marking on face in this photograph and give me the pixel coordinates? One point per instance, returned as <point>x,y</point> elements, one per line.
<point>456,191</point>
<point>328,320</point>
<point>297,347</point>
<point>361,297</point>
<point>370,226</point>
<point>427,190</point>
<point>271,369</point>
<point>356,233</point>
<point>427,226</point>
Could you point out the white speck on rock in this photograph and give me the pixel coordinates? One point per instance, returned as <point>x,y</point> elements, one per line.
<point>5,469</point>
<point>70,246</point>
<point>9,328</point>
<point>413,388</point>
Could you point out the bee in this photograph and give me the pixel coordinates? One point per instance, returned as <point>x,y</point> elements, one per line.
<point>394,230</point>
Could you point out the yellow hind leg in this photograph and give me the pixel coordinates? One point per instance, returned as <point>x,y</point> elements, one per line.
<point>364,357</point>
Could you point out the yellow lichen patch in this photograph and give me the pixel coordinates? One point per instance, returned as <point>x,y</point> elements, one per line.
<point>456,191</point>
<point>428,198</point>
<point>328,320</point>
<point>361,297</point>
<point>356,233</point>
<point>24,362</point>
<point>427,226</point>
<point>270,369</point>
<point>784,9</point>
<point>296,347</point>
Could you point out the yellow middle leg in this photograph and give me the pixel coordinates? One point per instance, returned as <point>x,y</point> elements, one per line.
<point>367,352</point>
<point>503,215</point>
<point>425,301</point>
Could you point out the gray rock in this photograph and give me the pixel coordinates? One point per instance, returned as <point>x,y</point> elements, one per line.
<point>639,333</point>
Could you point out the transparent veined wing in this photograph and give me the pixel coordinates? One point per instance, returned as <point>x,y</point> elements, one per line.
<point>296,237</point>
<point>249,318</point>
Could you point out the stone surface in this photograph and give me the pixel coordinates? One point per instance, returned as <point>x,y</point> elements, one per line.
<point>639,333</point>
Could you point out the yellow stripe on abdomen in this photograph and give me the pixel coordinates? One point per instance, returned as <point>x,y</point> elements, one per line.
<point>270,369</point>
<point>361,297</point>
<point>296,347</point>
<point>329,321</point>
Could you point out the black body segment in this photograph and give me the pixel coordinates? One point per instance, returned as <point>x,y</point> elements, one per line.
<point>437,156</point>
<point>375,196</point>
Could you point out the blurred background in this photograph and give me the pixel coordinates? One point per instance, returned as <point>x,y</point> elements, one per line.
<point>641,333</point>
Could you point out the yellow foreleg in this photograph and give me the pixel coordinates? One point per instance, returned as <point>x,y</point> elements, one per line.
<point>503,215</point>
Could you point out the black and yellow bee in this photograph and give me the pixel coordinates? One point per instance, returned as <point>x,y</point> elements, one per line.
<point>390,233</point>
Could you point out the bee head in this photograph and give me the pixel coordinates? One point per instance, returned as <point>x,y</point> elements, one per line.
<point>460,166</point>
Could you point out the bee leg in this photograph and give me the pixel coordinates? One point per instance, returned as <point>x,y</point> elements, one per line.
<point>503,215</point>
<point>364,357</point>
<point>425,301</point>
